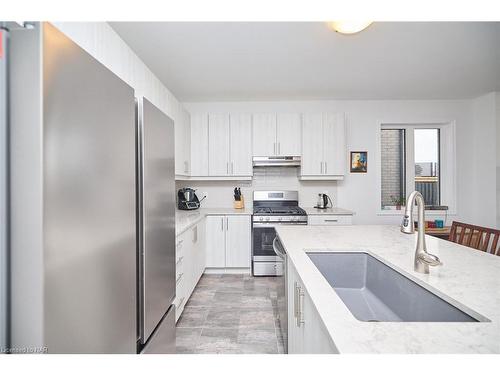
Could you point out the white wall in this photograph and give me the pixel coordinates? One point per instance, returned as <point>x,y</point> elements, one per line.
<point>359,192</point>
<point>483,145</point>
<point>102,42</point>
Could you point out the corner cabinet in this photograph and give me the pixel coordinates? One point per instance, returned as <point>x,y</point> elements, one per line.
<point>276,135</point>
<point>306,332</point>
<point>228,241</point>
<point>323,146</point>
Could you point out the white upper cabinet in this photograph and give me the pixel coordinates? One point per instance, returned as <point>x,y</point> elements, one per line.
<point>288,134</point>
<point>312,144</point>
<point>264,134</point>
<point>334,144</point>
<point>323,146</point>
<point>241,145</point>
<point>276,135</point>
<point>182,142</point>
<point>218,145</point>
<point>199,145</point>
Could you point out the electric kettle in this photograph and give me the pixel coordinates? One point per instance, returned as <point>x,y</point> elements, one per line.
<point>323,200</point>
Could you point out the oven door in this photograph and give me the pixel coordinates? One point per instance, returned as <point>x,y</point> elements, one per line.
<point>262,243</point>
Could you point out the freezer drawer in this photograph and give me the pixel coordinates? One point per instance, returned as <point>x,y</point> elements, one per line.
<point>162,339</point>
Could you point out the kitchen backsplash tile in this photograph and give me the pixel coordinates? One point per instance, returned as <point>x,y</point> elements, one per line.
<point>220,193</point>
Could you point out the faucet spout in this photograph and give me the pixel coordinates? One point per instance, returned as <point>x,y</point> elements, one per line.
<point>422,258</point>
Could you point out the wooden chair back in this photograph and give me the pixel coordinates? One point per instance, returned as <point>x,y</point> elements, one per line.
<point>480,238</point>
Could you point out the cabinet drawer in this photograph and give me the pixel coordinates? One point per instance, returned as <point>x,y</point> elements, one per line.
<point>329,220</point>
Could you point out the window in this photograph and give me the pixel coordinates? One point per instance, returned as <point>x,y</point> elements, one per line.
<point>427,164</point>
<point>410,160</point>
<point>393,167</point>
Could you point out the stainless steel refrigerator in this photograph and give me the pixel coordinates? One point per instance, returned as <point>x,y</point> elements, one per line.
<point>91,228</point>
<point>3,187</point>
<point>156,229</point>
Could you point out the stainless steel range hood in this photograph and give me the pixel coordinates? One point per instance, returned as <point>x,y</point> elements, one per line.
<point>276,161</point>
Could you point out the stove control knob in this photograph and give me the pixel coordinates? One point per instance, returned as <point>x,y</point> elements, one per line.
<point>280,218</point>
<point>267,219</point>
<point>261,218</point>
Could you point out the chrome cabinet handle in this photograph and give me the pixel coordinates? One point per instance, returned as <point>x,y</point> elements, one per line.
<point>326,167</point>
<point>227,223</point>
<point>222,224</point>
<point>330,220</point>
<point>232,168</point>
<point>321,167</point>
<point>179,278</point>
<point>300,318</point>
<point>274,148</point>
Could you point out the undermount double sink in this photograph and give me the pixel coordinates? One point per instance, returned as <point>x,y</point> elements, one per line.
<point>375,292</point>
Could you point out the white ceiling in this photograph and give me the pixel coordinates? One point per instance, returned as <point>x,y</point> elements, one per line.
<point>272,61</point>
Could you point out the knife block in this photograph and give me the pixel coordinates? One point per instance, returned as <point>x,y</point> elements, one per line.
<point>239,204</point>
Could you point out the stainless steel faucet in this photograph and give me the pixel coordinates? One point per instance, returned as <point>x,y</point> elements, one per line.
<point>422,258</point>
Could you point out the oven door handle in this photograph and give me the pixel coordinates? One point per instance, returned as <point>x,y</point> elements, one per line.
<point>277,248</point>
<point>274,224</point>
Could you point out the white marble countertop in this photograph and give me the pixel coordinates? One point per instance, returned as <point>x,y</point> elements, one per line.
<point>469,279</point>
<point>327,211</point>
<point>186,219</point>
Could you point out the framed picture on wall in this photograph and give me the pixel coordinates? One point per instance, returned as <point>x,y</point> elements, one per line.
<point>359,161</point>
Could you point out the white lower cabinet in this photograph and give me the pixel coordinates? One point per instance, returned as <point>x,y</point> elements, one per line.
<point>216,241</point>
<point>190,264</point>
<point>306,332</point>
<point>329,219</point>
<point>228,241</point>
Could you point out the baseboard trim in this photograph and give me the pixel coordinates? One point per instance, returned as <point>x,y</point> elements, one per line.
<point>228,271</point>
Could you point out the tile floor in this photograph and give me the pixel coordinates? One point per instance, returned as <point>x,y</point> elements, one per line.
<point>231,314</point>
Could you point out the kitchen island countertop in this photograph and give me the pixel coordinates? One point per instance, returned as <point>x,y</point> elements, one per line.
<point>468,279</point>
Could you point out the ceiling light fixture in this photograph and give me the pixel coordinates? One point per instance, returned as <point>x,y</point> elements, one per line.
<point>349,27</point>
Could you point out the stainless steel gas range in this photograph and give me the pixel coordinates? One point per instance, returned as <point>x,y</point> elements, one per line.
<point>272,208</point>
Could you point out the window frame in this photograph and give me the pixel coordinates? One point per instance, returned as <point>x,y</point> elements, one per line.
<point>447,161</point>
